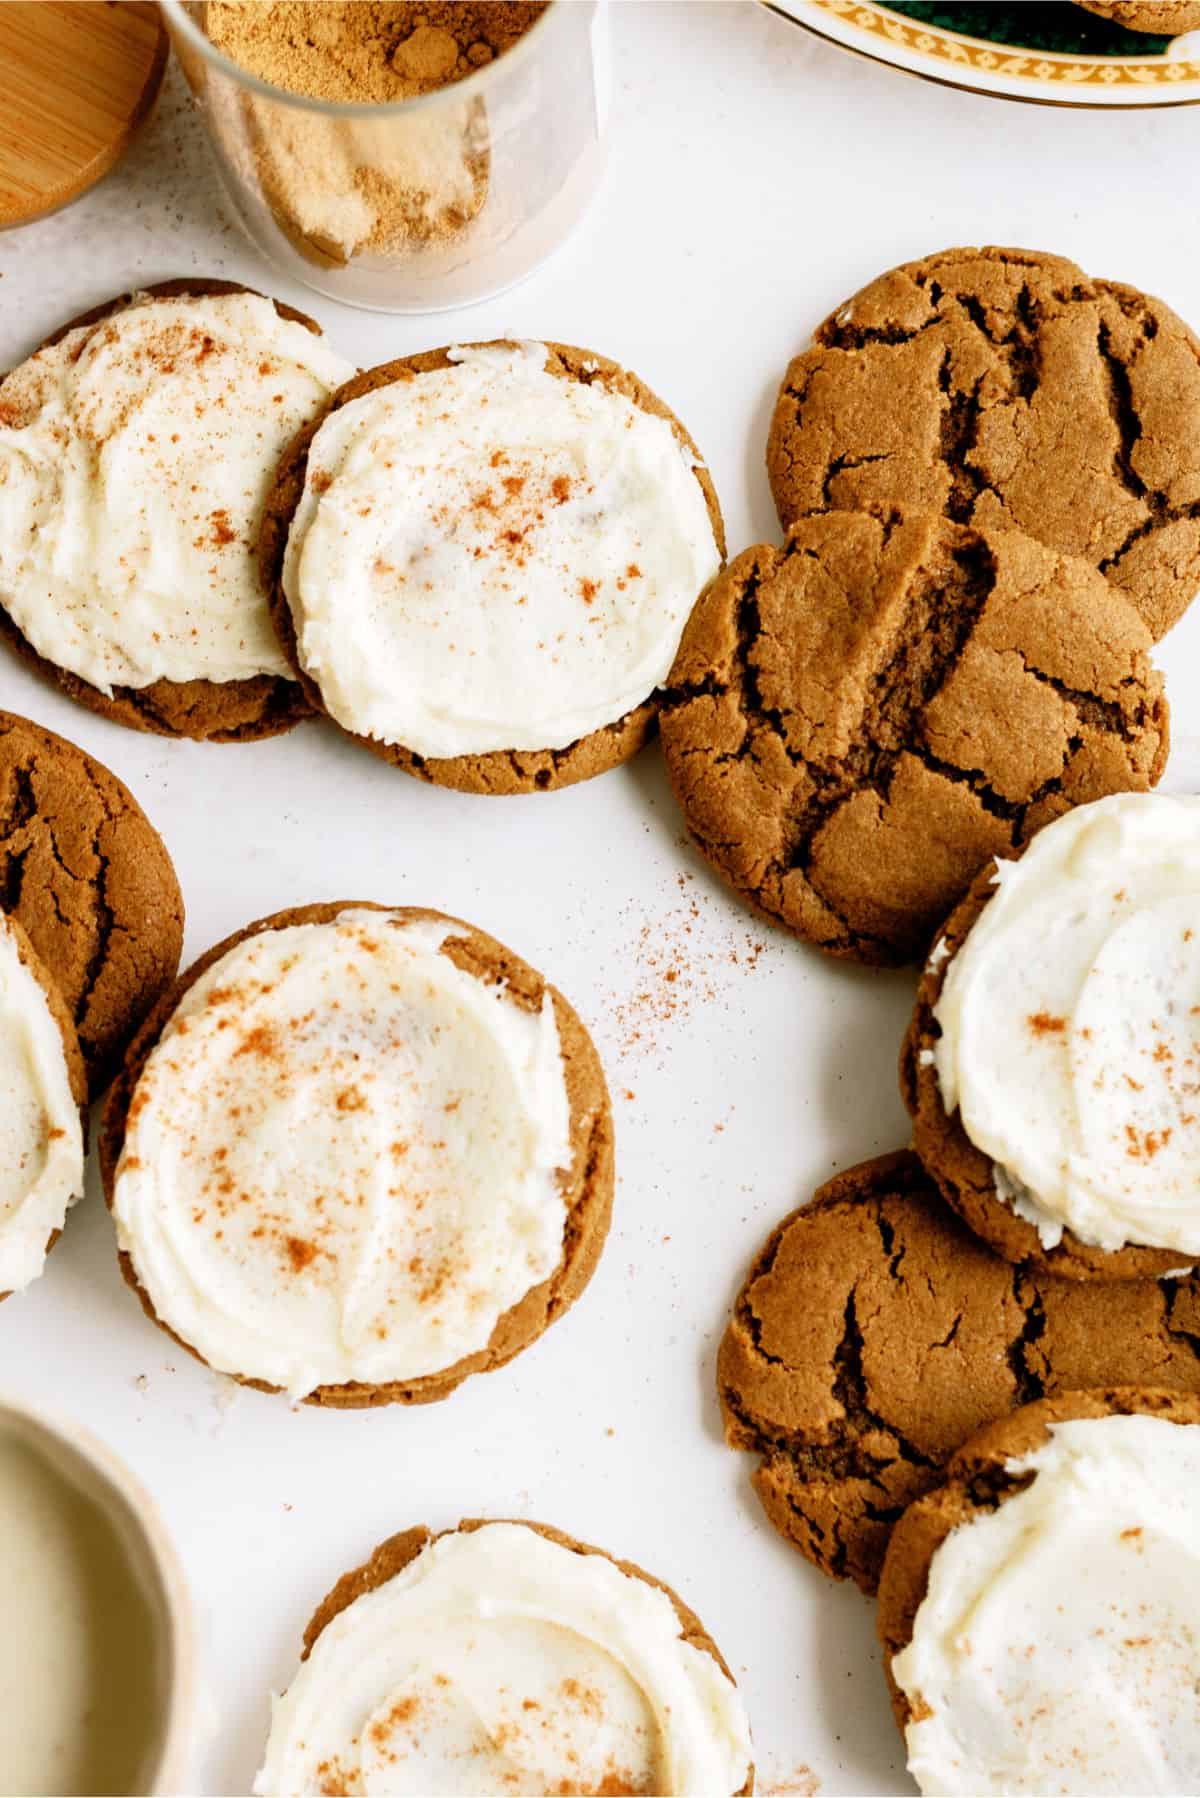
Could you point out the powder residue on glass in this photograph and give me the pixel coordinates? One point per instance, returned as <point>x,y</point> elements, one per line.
<point>382,186</point>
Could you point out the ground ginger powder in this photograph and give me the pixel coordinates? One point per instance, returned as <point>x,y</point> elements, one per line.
<point>342,188</point>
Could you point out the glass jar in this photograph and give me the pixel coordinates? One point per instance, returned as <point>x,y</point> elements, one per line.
<point>412,205</point>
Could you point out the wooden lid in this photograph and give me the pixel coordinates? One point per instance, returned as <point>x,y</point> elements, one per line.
<point>77,77</point>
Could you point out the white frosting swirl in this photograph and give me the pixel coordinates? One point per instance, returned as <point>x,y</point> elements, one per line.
<point>1057,1647</point>
<point>499,1661</point>
<point>341,1160</point>
<point>41,1135</point>
<point>135,456</point>
<point>489,557</point>
<point>1070,1026</point>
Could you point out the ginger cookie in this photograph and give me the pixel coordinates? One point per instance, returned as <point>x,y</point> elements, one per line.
<point>1037,1609</point>
<point>875,1334</point>
<point>481,561</point>
<point>858,721</point>
<point>136,448</point>
<point>1005,388</point>
<point>497,1656</point>
<point>1165,18</point>
<point>357,1154</point>
<point>1053,1062</point>
<point>88,878</point>
<point>43,1111</point>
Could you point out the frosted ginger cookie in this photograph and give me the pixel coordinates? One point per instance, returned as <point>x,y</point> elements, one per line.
<point>875,1333</point>
<point>858,721</point>
<point>1038,1609</point>
<point>43,1101</point>
<point>1052,1067</point>
<point>88,878</point>
<point>1166,18</point>
<point>1006,388</point>
<point>482,559</point>
<point>136,448</point>
<point>506,1657</point>
<point>358,1154</point>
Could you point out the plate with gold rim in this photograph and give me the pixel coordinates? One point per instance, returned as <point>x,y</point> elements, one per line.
<point>1055,54</point>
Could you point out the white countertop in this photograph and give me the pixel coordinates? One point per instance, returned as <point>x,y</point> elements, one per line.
<point>756,178</point>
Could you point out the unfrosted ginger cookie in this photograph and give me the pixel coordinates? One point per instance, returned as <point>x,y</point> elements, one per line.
<point>358,1154</point>
<point>875,1334</point>
<point>43,1100</point>
<point>1005,388</point>
<point>506,1657</point>
<point>1052,1067</point>
<point>136,448</point>
<point>1166,18</point>
<point>858,721</point>
<point>481,561</point>
<point>89,879</point>
<point>1037,1610</point>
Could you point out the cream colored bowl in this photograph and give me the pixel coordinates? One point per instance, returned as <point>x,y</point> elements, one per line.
<point>96,1661</point>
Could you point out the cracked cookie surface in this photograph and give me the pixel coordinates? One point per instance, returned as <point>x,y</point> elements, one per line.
<point>89,879</point>
<point>964,1174</point>
<point>875,1335</point>
<point>1162,17</point>
<point>856,723</point>
<point>1007,388</point>
<point>502,771</point>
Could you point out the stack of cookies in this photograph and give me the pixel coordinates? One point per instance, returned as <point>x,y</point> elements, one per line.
<point>927,728</point>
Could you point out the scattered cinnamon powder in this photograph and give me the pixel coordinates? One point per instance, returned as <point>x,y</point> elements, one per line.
<point>403,1711</point>
<point>262,1039</point>
<point>678,962</point>
<point>299,1252</point>
<point>800,1782</point>
<point>1042,1024</point>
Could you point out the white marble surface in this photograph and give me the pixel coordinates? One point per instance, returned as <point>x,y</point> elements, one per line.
<point>756,178</point>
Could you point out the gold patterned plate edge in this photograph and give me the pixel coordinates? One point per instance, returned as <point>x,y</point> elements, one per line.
<point>951,59</point>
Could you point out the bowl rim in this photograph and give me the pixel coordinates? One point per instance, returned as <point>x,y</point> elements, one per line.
<point>73,1442</point>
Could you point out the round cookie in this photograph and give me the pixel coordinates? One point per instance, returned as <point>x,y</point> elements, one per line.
<point>964,1173</point>
<point>1006,388</point>
<point>87,876</point>
<point>72,1056</point>
<point>856,722</point>
<point>875,1334</point>
<point>502,771</point>
<point>230,711</point>
<point>1166,18</point>
<point>976,1484</point>
<point>399,1552</point>
<point>586,1187</point>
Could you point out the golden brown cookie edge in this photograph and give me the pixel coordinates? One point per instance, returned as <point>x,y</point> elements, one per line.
<point>242,711</point>
<point>500,771</point>
<point>980,1464</point>
<point>963,1174</point>
<point>145,850</point>
<point>589,1192</point>
<point>397,1552</point>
